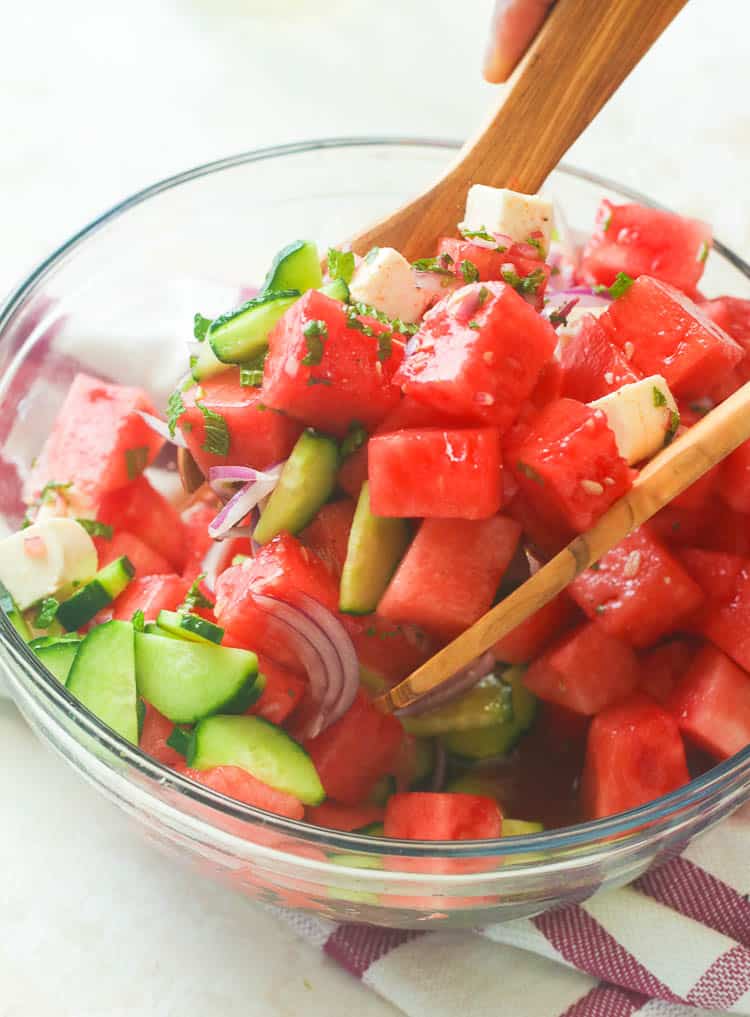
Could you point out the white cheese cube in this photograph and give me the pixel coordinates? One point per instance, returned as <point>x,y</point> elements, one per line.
<point>641,415</point>
<point>502,211</point>
<point>46,559</point>
<point>386,281</point>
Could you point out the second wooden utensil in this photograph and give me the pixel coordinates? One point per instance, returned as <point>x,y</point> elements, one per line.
<point>665,477</point>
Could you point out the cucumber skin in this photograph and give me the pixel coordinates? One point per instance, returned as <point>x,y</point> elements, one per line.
<point>85,687</point>
<point>285,273</point>
<point>97,593</point>
<point>216,335</point>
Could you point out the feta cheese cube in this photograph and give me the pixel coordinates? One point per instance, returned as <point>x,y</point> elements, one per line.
<point>386,281</point>
<point>502,211</point>
<point>641,415</point>
<point>46,558</point>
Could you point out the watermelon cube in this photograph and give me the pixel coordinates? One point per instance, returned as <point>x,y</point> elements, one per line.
<point>661,331</point>
<point>569,466</point>
<point>522,260</point>
<point>712,704</point>
<point>734,479</point>
<point>255,435</point>
<point>662,667</point>
<point>725,530</point>
<point>387,651</point>
<point>328,534</point>
<point>281,694</point>
<point>356,751</point>
<point>342,373</point>
<point>645,241</point>
<point>150,594</point>
<point>353,472</point>
<point>99,442</point>
<point>234,782</point>
<point>430,815</point>
<point>478,355</point>
<point>727,623</point>
<point>195,520</point>
<point>154,734</point>
<point>638,591</point>
<point>634,754</point>
<point>534,635</point>
<point>143,511</point>
<point>731,314</point>
<point>334,816</point>
<point>592,366</point>
<point>716,572</point>
<point>584,671</point>
<point>147,562</point>
<point>449,474</point>
<point>449,576</point>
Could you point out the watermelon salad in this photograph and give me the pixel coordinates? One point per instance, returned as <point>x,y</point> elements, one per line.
<point>386,450</point>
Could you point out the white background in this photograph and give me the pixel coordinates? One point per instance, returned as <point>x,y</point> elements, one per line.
<point>98,99</point>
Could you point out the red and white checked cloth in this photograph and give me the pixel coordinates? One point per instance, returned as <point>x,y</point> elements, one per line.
<point>674,944</point>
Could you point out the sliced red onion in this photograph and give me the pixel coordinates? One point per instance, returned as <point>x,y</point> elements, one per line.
<point>585,294</point>
<point>440,767</point>
<point>319,656</point>
<point>235,533</point>
<point>215,560</point>
<point>162,429</point>
<point>256,485</point>
<point>455,686</point>
<point>337,705</point>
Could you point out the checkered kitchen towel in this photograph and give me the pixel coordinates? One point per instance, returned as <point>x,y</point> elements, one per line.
<point>675,944</point>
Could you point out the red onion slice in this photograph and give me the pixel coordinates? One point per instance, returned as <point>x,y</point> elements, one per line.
<point>162,429</point>
<point>455,686</point>
<point>336,705</point>
<point>244,500</point>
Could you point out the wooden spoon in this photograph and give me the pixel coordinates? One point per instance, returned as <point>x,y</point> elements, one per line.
<point>583,52</point>
<point>666,476</point>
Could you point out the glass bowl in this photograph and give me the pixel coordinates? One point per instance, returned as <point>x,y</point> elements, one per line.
<point>118,299</point>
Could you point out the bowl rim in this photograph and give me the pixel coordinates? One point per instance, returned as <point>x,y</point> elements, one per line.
<point>589,834</point>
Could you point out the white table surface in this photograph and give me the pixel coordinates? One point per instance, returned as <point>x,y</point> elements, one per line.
<point>99,99</point>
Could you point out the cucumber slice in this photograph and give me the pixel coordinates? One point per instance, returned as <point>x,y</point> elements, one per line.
<point>58,656</point>
<point>520,827</point>
<point>242,334</point>
<point>376,546</point>
<point>295,267</point>
<point>102,677</point>
<point>152,629</point>
<point>187,681</point>
<point>337,290</point>
<point>372,830</point>
<point>107,584</point>
<point>371,680</point>
<point>524,702</point>
<point>206,364</point>
<point>189,626</point>
<point>483,742</point>
<point>487,705</point>
<point>14,616</point>
<point>264,750</point>
<point>306,482</point>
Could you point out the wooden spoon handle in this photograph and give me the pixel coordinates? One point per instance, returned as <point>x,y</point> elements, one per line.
<point>666,476</point>
<point>583,52</point>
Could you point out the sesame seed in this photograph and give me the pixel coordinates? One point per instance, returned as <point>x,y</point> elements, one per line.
<point>632,564</point>
<point>628,349</point>
<point>592,487</point>
<point>484,398</point>
<point>609,377</point>
<point>609,481</point>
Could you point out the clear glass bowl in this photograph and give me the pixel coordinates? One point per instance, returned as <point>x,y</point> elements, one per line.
<point>118,298</point>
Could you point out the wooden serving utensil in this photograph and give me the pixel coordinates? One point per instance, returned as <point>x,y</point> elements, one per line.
<point>583,52</point>
<point>667,475</point>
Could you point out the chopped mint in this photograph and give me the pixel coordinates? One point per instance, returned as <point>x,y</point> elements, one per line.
<point>385,345</point>
<point>674,423</point>
<point>217,433</point>
<point>536,242</point>
<point>530,472</point>
<point>318,381</point>
<point>659,398</point>
<point>482,295</point>
<point>179,740</point>
<point>140,713</point>
<point>469,271</point>
<point>52,487</point>
<point>436,265</point>
<point>475,325</point>
<point>136,461</point>
<point>95,528</point>
<point>138,620</point>
<point>201,325</point>
<point>526,284</point>
<point>481,234</point>
<point>394,324</point>
<point>619,287</point>
<point>194,597</point>
<point>340,264</point>
<point>315,333</point>
<point>46,613</point>
<point>175,409</point>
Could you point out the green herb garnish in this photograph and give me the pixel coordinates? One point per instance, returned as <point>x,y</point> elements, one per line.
<point>318,381</point>
<point>194,597</point>
<point>537,243</point>
<point>526,285</point>
<point>481,234</point>
<point>659,398</point>
<point>217,433</point>
<point>201,325</point>
<point>175,409</point>
<point>703,251</point>
<point>136,461</point>
<point>530,472</point>
<point>469,271</point>
<point>394,324</point>
<point>436,265</point>
<point>138,621</point>
<point>95,528</point>
<point>474,324</point>
<point>340,264</point>
<point>385,346</point>
<point>619,287</point>
<point>315,333</point>
<point>46,613</point>
<point>674,423</point>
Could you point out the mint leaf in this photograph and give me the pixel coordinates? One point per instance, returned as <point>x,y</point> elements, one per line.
<point>194,597</point>
<point>136,460</point>
<point>217,440</point>
<point>469,271</point>
<point>437,265</point>
<point>659,398</point>
<point>526,284</point>
<point>340,264</point>
<point>315,333</point>
<point>95,528</point>
<point>175,409</point>
<point>201,325</point>
<point>138,620</point>
<point>621,285</point>
<point>46,613</point>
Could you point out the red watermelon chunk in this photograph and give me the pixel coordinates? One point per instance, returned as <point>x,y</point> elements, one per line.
<point>356,751</point>
<point>662,667</point>
<point>281,694</point>
<point>449,576</point>
<point>334,816</point>
<point>634,755</point>
<point>99,441</point>
<point>258,435</point>
<point>569,466</point>
<point>328,534</point>
<point>449,474</point>
<point>143,511</point>
<point>733,315</point>
<point>346,377</point>
<point>716,572</point>
<point>150,594</point>
<point>390,651</point>
<point>734,479</point>
<point>234,782</point>
<point>353,472</point>
<point>153,741</point>
<point>712,704</point>
<point>195,520</point>
<point>725,530</point>
<point>478,355</point>
<point>661,331</point>
<point>638,591</point>
<point>147,562</point>
<point>645,241</point>
<point>521,260</point>
<point>430,815</point>
<point>727,623</point>
<point>532,636</point>
<point>584,671</point>
<point>592,366</point>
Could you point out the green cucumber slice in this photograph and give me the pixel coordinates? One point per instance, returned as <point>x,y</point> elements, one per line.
<point>189,626</point>
<point>58,657</point>
<point>337,290</point>
<point>100,591</point>
<point>102,677</point>
<point>295,267</point>
<point>242,334</point>
<point>264,750</point>
<point>306,482</point>
<point>187,681</point>
<point>376,546</point>
<point>14,616</point>
<point>487,705</point>
<point>206,364</point>
<point>482,742</point>
<point>524,702</point>
<point>520,827</point>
